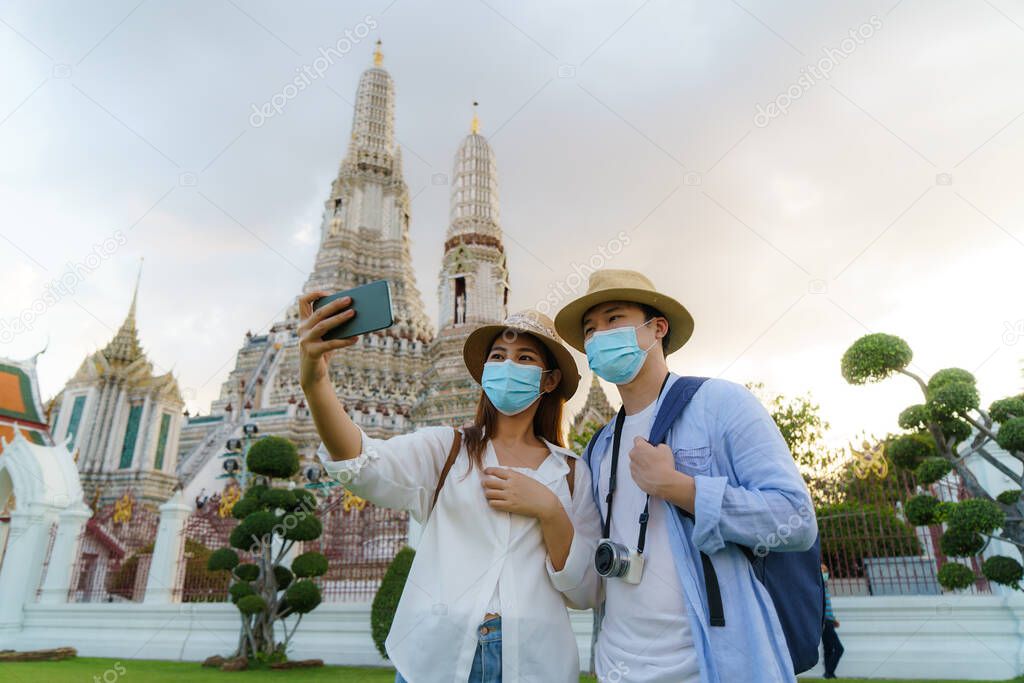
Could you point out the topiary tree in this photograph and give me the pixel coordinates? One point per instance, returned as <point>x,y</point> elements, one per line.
<point>941,433</point>
<point>263,590</point>
<point>385,602</point>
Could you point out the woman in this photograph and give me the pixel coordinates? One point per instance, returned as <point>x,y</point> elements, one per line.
<point>506,543</point>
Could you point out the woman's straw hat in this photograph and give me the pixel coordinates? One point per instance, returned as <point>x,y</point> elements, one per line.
<point>623,285</point>
<point>477,346</point>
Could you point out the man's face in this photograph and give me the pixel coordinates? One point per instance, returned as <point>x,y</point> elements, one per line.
<point>614,314</point>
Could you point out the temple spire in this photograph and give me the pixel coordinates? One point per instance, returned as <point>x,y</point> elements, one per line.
<point>378,56</point>
<point>474,190</point>
<point>125,347</point>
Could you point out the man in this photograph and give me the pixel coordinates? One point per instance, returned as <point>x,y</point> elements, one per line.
<point>724,463</point>
<point>833,647</point>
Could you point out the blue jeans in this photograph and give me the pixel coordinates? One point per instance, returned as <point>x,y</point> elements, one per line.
<point>487,660</point>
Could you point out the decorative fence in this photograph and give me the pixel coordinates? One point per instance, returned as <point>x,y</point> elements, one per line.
<point>359,541</point>
<point>871,549</point>
<point>114,553</point>
<point>206,530</point>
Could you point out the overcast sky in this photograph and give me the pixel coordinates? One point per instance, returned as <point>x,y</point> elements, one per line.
<point>794,186</point>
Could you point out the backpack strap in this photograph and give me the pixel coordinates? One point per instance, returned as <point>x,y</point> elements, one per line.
<point>676,400</point>
<point>452,455</point>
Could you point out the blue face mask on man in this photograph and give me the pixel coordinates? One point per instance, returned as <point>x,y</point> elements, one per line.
<point>512,387</point>
<point>615,355</point>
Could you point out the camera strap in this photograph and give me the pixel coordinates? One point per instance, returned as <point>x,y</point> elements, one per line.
<point>613,476</point>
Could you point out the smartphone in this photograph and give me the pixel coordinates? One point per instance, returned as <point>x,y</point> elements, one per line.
<point>372,304</point>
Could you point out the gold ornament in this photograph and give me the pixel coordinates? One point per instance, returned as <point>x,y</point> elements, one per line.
<point>351,501</point>
<point>870,460</point>
<point>228,498</point>
<point>123,509</point>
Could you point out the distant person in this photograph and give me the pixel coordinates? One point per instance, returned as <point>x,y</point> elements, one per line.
<point>829,638</point>
<point>509,540</point>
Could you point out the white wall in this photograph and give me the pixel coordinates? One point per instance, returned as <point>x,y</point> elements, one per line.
<point>967,637</point>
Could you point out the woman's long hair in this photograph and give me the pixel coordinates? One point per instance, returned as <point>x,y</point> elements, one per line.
<point>547,421</point>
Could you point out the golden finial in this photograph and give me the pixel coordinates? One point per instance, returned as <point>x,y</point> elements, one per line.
<point>378,56</point>
<point>474,127</point>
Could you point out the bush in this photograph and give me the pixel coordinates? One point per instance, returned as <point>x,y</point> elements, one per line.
<point>920,510</point>
<point>222,559</point>
<point>385,602</point>
<point>282,577</point>
<point>247,572</point>
<point>961,542</point>
<point>914,417</point>
<point>303,596</point>
<point>259,523</point>
<point>953,398</point>
<point>1009,497</point>
<point>239,590</point>
<point>245,507</point>
<point>954,428</point>
<point>1006,409</point>
<point>255,493</point>
<point>251,604</point>
<point>238,538</point>
<point>282,499</point>
<point>1011,434</point>
<point>948,376</point>
<point>910,450</point>
<point>851,531</point>
<point>201,583</point>
<point>306,527</point>
<point>980,516</point>
<point>953,576</point>
<point>1003,570</point>
<point>309,564</point>
<point>304,500</point>
<point>273,456</point>
<point>932,469</point>
<point>874,357</point>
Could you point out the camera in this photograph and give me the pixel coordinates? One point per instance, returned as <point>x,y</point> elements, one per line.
<point>614,560</point>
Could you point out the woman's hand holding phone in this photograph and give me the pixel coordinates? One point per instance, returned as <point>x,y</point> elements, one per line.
<point>314,353</point>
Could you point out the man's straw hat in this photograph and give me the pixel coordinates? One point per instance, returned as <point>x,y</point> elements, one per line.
<point>623,285</point>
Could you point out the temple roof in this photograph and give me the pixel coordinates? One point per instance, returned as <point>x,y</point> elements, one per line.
<point>20,406</point>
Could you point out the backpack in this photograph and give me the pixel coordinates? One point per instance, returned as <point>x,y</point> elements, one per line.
<point>453,453</point>
<point>793,579</point>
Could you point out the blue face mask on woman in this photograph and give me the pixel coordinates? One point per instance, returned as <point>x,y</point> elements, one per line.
<point>512,387</point>
<point>615,354</point>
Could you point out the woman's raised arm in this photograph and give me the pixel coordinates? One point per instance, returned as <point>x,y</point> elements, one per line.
<point>340,435</point>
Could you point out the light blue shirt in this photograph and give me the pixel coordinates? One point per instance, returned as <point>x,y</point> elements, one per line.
<point>748,492</point>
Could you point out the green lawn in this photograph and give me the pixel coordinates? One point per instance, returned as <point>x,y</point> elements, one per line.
<point>86,668</point>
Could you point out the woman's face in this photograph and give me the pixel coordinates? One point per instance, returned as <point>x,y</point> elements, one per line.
<point>525,349</point>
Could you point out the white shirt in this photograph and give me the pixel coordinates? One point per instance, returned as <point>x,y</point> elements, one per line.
<point>468,550</point>
<point>645,634</point>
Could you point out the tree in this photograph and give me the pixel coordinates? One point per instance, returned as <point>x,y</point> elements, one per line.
<point>940,434</point>
<point>801,425</point>
<point>264,590</point>
<point>578,440</point>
